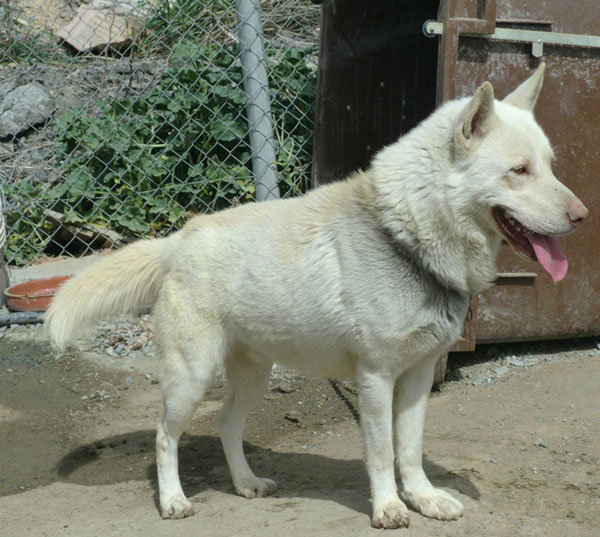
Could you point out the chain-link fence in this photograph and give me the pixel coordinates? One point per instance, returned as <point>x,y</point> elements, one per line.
<point>121,118</point>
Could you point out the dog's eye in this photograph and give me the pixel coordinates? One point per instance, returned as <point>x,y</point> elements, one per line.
<point>520,170</point>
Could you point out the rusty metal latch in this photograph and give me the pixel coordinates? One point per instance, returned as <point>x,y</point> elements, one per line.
<point>515,278</point>
<point>431,28</point>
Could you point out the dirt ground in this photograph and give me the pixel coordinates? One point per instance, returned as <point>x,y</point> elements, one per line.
<point>514,434</point>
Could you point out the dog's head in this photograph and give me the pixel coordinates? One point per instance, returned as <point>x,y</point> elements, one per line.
<point>509,159</point>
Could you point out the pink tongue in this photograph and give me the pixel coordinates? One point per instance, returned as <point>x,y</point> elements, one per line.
<point>550,256</point>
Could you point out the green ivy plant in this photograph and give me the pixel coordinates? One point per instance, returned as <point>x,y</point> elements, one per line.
<point>142,164</point>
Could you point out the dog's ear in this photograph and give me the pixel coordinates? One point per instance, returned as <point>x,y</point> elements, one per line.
<point>526,95</point>
<point>476,119</point>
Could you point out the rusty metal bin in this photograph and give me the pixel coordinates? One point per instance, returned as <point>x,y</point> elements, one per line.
<point>379,75</point>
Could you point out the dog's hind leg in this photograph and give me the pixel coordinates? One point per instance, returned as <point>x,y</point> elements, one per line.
<point>190,362</point>
<point>247,380</point>
<point>410,402</point>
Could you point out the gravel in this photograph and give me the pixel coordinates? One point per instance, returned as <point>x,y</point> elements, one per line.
<point>496,363</point>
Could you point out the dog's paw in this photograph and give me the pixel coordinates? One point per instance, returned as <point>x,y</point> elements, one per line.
<point>435,503</point>
<point>257,487</point>
<point>390,516</point>
<point>176,507</point>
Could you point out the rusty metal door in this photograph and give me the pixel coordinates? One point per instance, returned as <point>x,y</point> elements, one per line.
<point>478,43</point>
<point>377,79</point>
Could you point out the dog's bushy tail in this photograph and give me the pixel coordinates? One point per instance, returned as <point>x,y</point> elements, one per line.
<point>118,283</point>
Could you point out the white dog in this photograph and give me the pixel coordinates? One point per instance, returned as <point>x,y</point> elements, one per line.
<point>368,278</point>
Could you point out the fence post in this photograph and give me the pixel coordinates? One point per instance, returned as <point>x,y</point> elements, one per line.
<point>256,86</point>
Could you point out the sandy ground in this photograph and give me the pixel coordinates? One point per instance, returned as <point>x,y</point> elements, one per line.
<point>45,14</point>
<point>521,450</point>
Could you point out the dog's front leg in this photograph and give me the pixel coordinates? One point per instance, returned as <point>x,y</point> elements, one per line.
<point>410,402</point>
<point>376,390</point>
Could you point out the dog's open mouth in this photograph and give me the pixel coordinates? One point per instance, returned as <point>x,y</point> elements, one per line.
<point>541,248</point>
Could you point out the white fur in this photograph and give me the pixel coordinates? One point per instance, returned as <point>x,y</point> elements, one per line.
<point>367,278</point>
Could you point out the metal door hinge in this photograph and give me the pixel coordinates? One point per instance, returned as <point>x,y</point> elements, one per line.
<point>538,39</point>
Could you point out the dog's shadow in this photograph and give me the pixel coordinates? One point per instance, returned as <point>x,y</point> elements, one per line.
<point>203,467</point>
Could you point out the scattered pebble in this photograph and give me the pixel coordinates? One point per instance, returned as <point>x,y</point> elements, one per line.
<point>293,416</point>
<point>478,380</point>
<point>502,370</point>
<point>119,339</point>
<point>284,387</point>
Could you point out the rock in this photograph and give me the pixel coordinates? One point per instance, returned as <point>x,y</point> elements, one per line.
<point>128,381</point>
<point>113,341</point>
<point>502,370</point>
<point>540,443</point>
<point>479,379</point>
<point>293,416</point>
<point>24,107</point>
<point>513,360</point>
<point>284,387</point>
<point>6,88</point>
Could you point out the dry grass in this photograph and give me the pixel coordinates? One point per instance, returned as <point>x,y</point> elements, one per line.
<point>291,21</point>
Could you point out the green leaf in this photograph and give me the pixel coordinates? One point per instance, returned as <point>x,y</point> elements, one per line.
<point>226,128</point>
<point>132,218</point>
